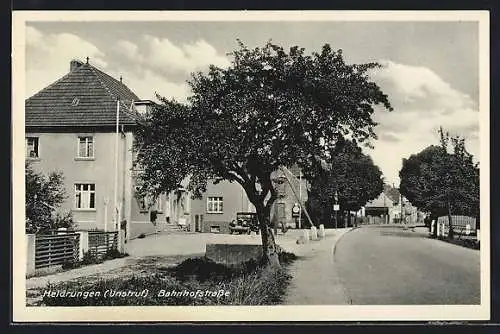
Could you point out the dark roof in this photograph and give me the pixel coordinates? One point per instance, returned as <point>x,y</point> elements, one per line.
<point>392,193</point>
<point>97,93</point>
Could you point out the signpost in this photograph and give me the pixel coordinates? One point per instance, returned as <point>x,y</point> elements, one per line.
<point>336,207</point>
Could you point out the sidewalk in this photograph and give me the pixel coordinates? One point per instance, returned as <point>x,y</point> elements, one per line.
<point>315,281</point>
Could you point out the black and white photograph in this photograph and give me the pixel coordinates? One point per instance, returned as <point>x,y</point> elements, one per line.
<point>263,165</point>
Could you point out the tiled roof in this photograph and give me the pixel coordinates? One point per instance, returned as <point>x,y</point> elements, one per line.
<point>381,201</point>
<point>393,193</point>
<point>97,93</point>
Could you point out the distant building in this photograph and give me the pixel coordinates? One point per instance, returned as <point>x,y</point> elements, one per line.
<point>221,202</point>
<point>390,206</point>
<point>380,210</point>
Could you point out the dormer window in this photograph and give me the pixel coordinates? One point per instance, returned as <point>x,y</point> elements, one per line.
<point>75,102</point>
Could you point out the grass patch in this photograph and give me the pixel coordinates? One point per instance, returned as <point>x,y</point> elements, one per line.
<point>468,243</point>
<point>91,258</point>
<point>195,281</point>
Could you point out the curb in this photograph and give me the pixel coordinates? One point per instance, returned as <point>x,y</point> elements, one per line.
<point>336,242</point>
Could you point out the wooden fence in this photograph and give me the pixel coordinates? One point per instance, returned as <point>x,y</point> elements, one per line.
<point>102,242</point>
<point>463,226</point>
<point>55,249</point>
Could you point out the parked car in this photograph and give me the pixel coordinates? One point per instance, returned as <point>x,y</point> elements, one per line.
<point>245,222</point>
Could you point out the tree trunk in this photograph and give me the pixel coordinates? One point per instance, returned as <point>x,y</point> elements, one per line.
<point>450,232</point>
<point>269,249</point>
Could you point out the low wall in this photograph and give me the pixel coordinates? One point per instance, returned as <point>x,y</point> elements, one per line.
<point>233,253</point>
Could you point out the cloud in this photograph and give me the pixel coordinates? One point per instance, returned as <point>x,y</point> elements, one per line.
<point>162,54</point>
<point>419,88</point>
<point>147,83</point>
<point>48,57</point>
<point>422,103</point>
<point>389,137</point>
<point>129,49</point>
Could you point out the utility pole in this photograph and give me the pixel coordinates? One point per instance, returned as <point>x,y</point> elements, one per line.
<point>300,199</point>
<point>335,207</point>
<point>284,170</point>
<point>115,186</point>
<point>401,198</point>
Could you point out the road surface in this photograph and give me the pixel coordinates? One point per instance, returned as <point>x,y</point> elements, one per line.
<point>387,265</point>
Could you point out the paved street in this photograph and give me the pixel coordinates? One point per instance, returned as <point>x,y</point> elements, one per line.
<point>389,265</point>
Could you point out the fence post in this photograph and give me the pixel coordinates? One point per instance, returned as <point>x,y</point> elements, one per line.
<point>84,243</point>
<point>121,241</point>
<point>321,232</point>
<point>314,233</point>
<point>30,258</point>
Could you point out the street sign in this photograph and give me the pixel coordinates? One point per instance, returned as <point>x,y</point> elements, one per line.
<point>296,210</point>
<point>336,207</point>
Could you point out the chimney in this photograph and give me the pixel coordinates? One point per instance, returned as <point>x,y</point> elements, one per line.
<point>74,64</point>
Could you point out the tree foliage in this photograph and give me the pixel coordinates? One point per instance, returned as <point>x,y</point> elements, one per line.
<point>352,175</point>
<point>269,108</point>
<point>44,194</point>
<point>442,180</point>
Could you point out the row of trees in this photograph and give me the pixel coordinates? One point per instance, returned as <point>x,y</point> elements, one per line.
<point>270,107</point>
<point>443,179</point>
<point>351,176</point>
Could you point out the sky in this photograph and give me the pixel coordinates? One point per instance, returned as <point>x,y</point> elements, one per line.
<point>430,69</point>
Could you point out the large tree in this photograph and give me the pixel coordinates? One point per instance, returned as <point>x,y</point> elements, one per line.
<point>442,179</point>
<point>351,175</point>
<point>269,108</point>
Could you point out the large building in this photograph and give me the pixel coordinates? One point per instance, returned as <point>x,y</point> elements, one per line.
<point>221,202</point>
<point>71,127</point>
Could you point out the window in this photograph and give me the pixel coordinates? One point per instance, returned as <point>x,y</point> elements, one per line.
<point>32,147</point>
<point>281,188</point>
<point>142,205</point>
<point>86,147</point>
<point>214,205</point>
<point>85,196</point>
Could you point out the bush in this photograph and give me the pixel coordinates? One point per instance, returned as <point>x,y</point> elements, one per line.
<point>286,257</point>
<point>44,194</point>
<point>114,254</point>
<point>70,265</point>
<point>90,258</point>
<point>203,269</point>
